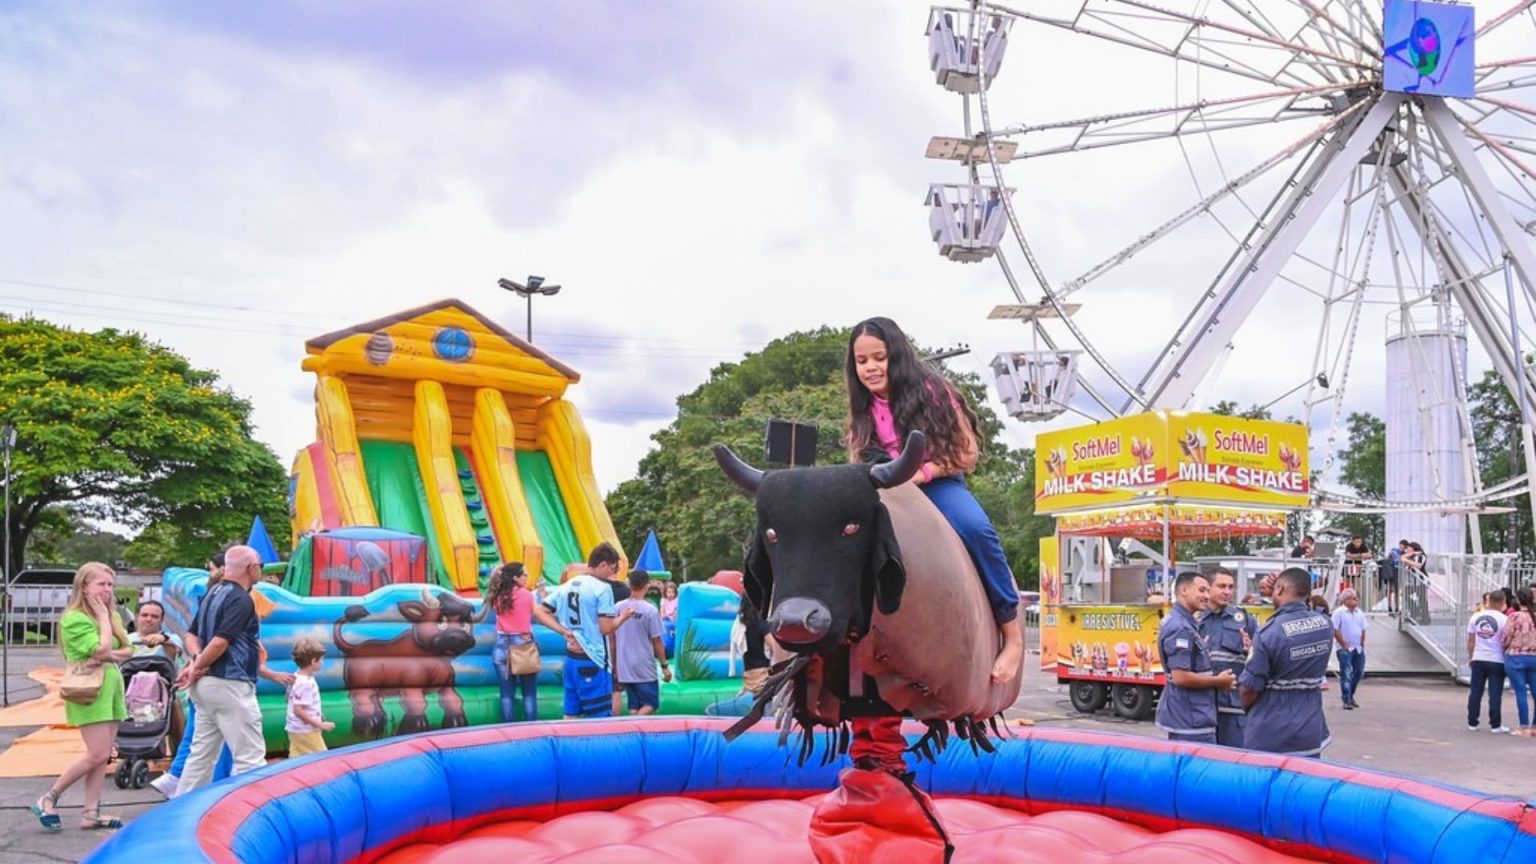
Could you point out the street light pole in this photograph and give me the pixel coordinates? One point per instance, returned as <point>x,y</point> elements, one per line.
<point>7,444</point>
<point>535,286</point>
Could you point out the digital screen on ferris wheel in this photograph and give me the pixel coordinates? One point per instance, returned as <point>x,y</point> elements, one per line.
<point>1427,48</point>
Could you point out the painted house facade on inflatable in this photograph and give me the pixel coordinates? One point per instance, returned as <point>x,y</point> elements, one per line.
<point>438,423</point>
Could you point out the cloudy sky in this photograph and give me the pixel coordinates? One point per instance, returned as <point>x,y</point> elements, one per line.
<point>232,179</point>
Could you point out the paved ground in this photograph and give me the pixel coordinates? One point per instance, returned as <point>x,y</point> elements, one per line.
<point>1407,725</point>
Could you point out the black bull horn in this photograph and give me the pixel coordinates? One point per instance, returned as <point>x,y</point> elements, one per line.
<point>884,476</point>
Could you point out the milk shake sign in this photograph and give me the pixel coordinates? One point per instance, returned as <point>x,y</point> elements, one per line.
<point>1231,459</point>
<point>1103,464</point>
<point>1192,457</point>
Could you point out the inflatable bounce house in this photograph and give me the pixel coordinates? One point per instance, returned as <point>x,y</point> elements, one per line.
<point>444,448</point>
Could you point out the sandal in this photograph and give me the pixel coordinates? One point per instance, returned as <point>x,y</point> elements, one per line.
<point>50,821</point>
<point>92,820</point>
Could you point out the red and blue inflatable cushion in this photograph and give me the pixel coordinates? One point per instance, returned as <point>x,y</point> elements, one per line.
<point>366,802</point>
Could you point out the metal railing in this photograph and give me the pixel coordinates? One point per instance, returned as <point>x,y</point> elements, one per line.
<point>27,624</point>
<point>1438,602</point>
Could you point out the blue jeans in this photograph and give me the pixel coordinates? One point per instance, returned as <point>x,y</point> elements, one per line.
<point>1521,669</point>
<point>221,768</point>
<point>511,683</point>
<point>965,515</point>
<point>1486,673</point>
<point>1351,667</point>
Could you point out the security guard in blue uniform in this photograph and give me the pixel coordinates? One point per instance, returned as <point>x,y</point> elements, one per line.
<point>1228,632</point>
<point>1187,708</point>
<point>1281,688</point>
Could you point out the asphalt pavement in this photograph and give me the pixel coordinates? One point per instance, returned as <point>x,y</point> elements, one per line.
<point>1413,726</point>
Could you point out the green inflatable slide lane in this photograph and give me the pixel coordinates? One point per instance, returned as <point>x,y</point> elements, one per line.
<point>479,519</point>
<point>549,516</point>
<point>399,495</point>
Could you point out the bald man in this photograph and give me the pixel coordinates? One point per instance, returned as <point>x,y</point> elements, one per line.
<point>222,680</point>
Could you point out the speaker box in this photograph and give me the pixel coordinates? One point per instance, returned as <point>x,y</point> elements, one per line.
<point>791,443</point>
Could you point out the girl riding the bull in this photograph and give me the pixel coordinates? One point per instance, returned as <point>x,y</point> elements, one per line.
<point>892,392</point>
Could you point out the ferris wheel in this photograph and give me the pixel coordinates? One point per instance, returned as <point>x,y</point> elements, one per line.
<point>1254,184</point>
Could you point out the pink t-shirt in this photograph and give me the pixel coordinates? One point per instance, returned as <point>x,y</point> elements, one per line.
<point>885,426</point>
<point>668,608</point>
<point>519,618</point>
<point>885,422</point>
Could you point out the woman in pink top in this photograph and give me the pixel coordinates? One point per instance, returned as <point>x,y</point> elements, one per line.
<point>508,595</point>
<point>1519,639</point>
<point>892,392</point>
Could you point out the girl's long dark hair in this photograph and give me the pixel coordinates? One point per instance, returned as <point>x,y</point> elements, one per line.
<point>498,591</point>
<point>919,398</point>
<point>1526,602</point>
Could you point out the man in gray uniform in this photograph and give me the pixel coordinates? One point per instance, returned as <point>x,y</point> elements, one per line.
<point>1228,632</point>
<point>1187,708</point>
<point>1281,688</point>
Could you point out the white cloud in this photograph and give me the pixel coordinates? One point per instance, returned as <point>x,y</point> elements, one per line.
<point>700,179</point>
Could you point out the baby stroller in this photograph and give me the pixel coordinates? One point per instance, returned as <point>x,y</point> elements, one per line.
<point>141,737</point>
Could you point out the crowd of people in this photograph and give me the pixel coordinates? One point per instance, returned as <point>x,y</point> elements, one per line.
<point>612,633</point>
<point>1403,560</point>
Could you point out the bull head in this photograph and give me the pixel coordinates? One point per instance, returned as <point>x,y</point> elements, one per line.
<point>824,552</point>
<point>441,624</point>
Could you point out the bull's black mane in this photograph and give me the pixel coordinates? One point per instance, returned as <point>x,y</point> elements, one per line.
<point>835,739</point>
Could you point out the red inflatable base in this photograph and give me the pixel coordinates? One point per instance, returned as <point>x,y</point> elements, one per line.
<point>684,830</point>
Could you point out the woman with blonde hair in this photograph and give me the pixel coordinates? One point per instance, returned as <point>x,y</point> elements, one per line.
<point>93,635</point>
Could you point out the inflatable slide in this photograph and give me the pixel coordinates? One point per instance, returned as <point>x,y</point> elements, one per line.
<point>439,423</point>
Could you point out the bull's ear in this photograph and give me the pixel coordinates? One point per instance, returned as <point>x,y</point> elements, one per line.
<point>759,576</point>
<point>890,577</point>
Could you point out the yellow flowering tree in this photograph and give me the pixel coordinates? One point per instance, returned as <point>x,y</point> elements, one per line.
<point>116,427</point>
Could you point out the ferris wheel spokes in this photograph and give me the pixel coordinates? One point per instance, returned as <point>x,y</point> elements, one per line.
<point>1204,205</point>
<point>1224,309</point>
<point>1200,117</point>
<point>1265,54</point>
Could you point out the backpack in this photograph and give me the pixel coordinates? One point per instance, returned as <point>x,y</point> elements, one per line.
<point>146,697</point>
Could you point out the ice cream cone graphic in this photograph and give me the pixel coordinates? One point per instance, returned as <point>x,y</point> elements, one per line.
<point>1056,462</point>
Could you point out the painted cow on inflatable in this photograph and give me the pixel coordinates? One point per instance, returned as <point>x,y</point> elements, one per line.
<point>413,664</point>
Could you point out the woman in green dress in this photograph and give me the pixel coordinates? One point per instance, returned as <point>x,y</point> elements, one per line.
<point>93,633</point>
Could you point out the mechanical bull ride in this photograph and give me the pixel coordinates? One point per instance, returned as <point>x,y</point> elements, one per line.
<point>864,582</point>
<point>410,665</point>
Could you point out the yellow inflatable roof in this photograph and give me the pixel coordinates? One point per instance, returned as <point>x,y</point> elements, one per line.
<point>444,341</point>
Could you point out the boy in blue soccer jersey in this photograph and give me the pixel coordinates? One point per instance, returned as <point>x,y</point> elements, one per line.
<point>583,612</point>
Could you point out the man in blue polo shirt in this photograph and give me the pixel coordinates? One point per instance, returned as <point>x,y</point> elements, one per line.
<point>222,680</point>
<point>1187,708</point>
<point>1281,688</point>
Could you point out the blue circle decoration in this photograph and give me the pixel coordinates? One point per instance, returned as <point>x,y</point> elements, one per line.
<point>453,344</point>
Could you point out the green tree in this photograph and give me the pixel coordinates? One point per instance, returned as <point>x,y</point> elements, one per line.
<point>1500,456</point>
<point>706,523</point>
<point>1363,468</point>
<point>63,540</point>
<point>116,427</point>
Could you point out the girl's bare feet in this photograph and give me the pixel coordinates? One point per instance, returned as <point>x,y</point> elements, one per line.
<point>1011,658</point>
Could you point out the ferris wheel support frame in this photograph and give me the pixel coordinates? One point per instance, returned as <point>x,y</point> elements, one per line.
<point>1244,283</point>
<point>1463,285</point>
<point>1519,260</point>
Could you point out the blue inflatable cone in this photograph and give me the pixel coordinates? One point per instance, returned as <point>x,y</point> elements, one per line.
<point>649,559</point>
<point>261,541</point>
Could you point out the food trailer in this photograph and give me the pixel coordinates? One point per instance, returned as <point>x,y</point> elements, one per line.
<point>1167,476</point>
